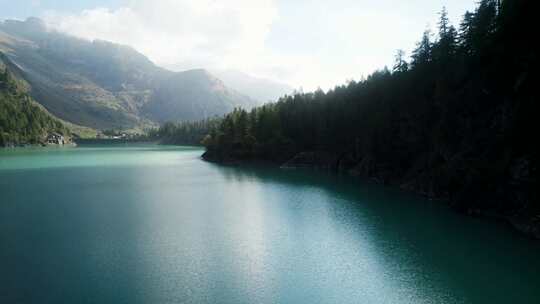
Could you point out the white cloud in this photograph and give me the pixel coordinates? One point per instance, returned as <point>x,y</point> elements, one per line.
<point>204,32</point>
<point>305,43</point>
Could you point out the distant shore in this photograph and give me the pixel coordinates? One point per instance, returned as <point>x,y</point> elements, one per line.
<point>26,145</point>
<point>106,141</point>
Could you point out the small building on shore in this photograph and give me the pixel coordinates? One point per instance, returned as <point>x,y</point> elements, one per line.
<point>56,139</point>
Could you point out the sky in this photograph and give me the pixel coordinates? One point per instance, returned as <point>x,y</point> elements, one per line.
<point>304,43</point>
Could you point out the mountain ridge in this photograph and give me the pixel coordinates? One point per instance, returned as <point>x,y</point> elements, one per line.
<point>258,88</point>
<point>105,85</point>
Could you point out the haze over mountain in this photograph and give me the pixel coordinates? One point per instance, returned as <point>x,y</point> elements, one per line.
<point>260,89</point>
<point>105,85</point>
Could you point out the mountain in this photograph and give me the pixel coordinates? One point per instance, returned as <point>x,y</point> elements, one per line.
<point>104,85</point>
<point>22,120</point>
<point>203,95</point>
<point>260,89</point>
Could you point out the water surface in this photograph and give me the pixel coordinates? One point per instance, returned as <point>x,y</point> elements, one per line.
<point>152,224</point>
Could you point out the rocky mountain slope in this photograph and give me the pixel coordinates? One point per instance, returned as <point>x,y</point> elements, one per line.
<point>105,85</point>
<point>260,89</point>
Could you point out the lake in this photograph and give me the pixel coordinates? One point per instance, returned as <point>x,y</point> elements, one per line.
<point>156,224</point>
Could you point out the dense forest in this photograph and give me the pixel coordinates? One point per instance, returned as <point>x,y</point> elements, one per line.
<point>455,121</point>
<point>184,133</point>
<point>22,120</point>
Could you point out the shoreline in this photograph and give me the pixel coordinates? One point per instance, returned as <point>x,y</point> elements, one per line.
<point>18,146</point>
<point>526,226</point>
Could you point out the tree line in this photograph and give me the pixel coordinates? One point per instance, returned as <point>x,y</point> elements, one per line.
<point>433,98</point>
<point>184,133</point>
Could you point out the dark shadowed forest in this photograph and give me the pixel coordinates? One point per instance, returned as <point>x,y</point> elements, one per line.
<point>455,121</point>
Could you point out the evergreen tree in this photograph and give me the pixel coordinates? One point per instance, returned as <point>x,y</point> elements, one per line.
<point>484,25</point>
<point>444,23</point>
<point>444,51</point>
<point>465,36</point>
<point>422,54</point>
<point>400,64</point>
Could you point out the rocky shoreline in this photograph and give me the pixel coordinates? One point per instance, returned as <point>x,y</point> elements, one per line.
<point>21,145</point>
<point>465,201</point>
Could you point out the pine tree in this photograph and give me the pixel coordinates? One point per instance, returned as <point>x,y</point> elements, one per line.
<point>484,25</point>
<point>400,64</point>
<point>444,23</point>
<point>445,49</point>
<point>465,36</point>
<point>422,55</point>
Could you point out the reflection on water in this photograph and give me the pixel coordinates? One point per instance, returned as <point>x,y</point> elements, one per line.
<point>156,225</point>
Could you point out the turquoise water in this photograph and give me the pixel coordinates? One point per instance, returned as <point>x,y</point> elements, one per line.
<point>152,224</point>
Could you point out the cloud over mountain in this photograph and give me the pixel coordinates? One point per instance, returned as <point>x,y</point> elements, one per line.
<point>203,32</point>
<point>306,43</point>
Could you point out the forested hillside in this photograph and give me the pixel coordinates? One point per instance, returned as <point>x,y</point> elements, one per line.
<point>22,120</point>
<point>456,121</point>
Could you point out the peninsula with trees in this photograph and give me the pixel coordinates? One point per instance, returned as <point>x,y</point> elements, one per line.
<point>456,122</point>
